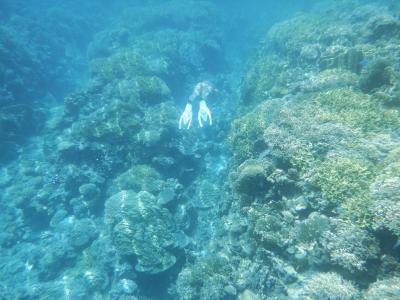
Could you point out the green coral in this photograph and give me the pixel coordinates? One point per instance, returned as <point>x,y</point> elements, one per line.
<point>345,181</point>
<point>124,64</point>
<point>161,115</point>
<point>356,110</point>
<point>299,136</point>
<point>114,122</point>
<point>290,36</point>
<point>152,90</point>
<point>246,134</point>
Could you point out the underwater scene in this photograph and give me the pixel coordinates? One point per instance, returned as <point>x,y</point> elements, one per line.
<point>199,150</point>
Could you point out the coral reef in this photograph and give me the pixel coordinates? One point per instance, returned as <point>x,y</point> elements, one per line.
<point>140,227</point>
<point>292,193</point>
<point>333,205</point>
<point>208,278</point>
<point>383,289</point>
<point>326,286</point>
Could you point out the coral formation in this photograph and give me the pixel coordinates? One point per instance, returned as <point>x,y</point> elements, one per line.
<point>140,227</point>
<point>326,286</point>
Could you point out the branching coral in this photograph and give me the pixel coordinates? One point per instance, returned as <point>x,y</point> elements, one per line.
<point>350,247</point>
<point>356,110</point>
<point>206,279</point>
<point>345,181</point>
<point>329,286</point>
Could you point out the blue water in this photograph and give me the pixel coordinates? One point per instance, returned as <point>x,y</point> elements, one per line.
<point>199,150</point>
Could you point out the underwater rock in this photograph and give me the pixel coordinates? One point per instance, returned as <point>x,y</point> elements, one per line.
<point>348,59</point>
<point>166,196</point>
<point>67,150</point>
<point>292,36</point>
<point>82,233</point>
<point>327,79</point>
<point>138,178</point>
<point>152,90</point>
<point>54,258</point>
<point>11,227</point>
<point>310,53</point>
<point>170,191</point>
<point>95,280</point>
<point>158,125</point>
<point>248,295</point>
<point>89,191</point>
<point>58,217</point>
<point>390,96</point>
<point>389,264</point>
<point>298,205</point>
<point>383,25</point>
<point>344,182</point>
<point>112,123</point>
<point>375,75</point>
<point>75,102</point>
<point>106,42</point>
<point>78,233</point>
<point>266,273</point>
